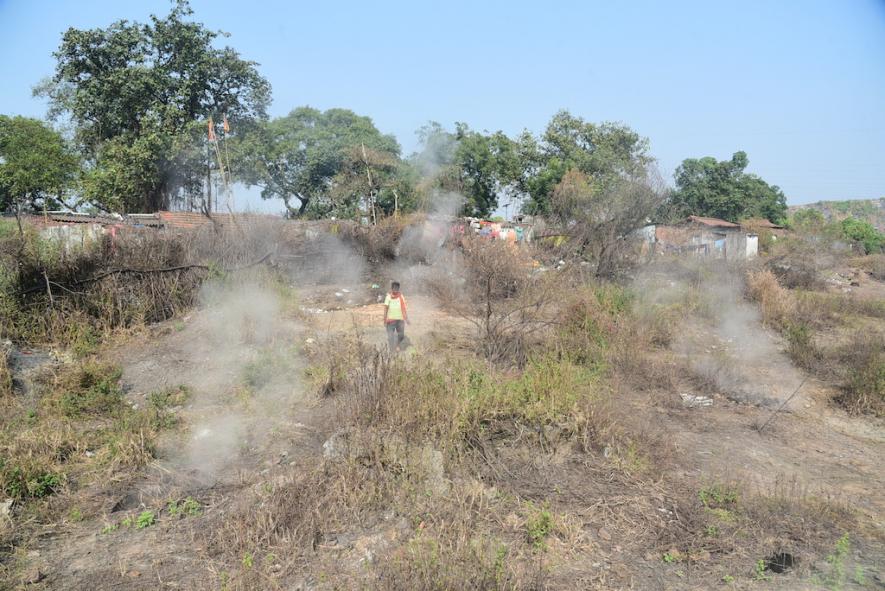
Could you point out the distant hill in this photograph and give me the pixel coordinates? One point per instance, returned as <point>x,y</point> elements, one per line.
<point>870,210</point>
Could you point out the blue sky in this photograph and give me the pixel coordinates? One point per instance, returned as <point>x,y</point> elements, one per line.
<point>798,85</point>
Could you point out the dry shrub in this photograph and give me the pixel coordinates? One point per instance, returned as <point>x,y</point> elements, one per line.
<point>863,361</point>
<point>58,294</point>
<point>800,260</point>
<point>378,243</point>
<point>509,304</point>
<point>458,404</point>
<point>777,303</point>
<point>874,264</point>
<point>738,527</point>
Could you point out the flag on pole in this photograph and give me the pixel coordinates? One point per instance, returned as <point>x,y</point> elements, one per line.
<point>226,125</point>
<point>211,130</point>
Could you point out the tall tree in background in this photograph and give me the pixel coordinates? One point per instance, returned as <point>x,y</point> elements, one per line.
<point>313,160</point>
<point>37,168</point>
<point>722,189</point>
<point>139,96</point>
<point>605,153</point>
<point>479,166</point>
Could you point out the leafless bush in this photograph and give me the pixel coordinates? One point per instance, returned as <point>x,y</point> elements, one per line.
<point>503,297</point>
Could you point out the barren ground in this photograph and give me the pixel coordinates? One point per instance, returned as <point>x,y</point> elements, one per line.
<point>808,447</point>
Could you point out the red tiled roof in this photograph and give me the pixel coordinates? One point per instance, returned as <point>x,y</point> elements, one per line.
<point>712,222</point>
<point>184,219</point>
<point>192,219</point>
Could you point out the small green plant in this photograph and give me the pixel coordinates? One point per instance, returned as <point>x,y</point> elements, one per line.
<point>96,392</point>
<point>759,571</point>
<point>127,522</point>
<point>727,579</point>
<point>109,528</point>
<point>859,577</point>
<point>538,526</point>
<point>145,519</point>
<point>248,560</point>
<point>835,579</point>
<point>30,482</point>
<point>75,515</point>
<point>712,531</point>
<point>190,507</point>
<point>670,557</point>
<point>717,495</point>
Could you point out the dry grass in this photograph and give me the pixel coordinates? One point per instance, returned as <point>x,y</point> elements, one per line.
<point>776,302</point>
<point>77,431</point>
<point>5,373</point>
<point>874,264</point>
<point>852,358</point>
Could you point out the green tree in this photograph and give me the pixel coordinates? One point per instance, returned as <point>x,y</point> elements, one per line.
<point>605,153</point>
<point>863,233</point>
<point>722,189</point>
<point>139,96</point>
<point>315,158</point>
<point>479,166</point>
<point>37,168</point>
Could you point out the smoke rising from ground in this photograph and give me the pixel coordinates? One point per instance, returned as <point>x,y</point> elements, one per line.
<point>423,255</point>
<point>239,351</point>
<point>722,336</point>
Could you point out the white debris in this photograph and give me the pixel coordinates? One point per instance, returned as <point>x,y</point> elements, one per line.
<point>202,434</point>
<point>338,294</point>
<point>692,400</point>
<point>6,506</point>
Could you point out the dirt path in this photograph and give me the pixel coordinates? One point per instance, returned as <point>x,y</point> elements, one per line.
<point>428,322</point>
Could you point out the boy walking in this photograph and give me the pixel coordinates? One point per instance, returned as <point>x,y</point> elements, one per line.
<point>395,317</point>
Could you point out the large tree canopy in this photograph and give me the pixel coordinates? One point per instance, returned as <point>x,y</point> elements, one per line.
<point>479,166</point>
<point>723,190</point>
<point>36,166</point>
<point>322,160</point>
<point>139,96</point>
<point>486,167</point>
<point>606,153</point>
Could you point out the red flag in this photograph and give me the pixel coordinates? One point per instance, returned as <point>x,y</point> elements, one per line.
<point>226,125</point>
<point>211,130</point>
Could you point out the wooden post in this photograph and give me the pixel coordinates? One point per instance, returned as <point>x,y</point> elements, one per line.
<point>371,194</point>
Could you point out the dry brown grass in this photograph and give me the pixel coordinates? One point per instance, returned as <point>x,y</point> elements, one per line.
<point>776,302</point>
<point>5,373</point>
<point>727,528</point>
<point>852,357</point>
<point>874,264</point>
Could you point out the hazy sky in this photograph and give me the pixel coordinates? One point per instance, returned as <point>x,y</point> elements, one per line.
<point>798,85</point>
